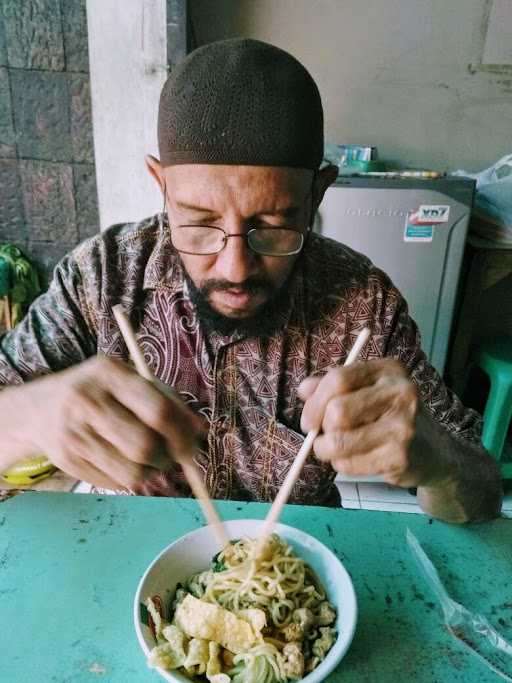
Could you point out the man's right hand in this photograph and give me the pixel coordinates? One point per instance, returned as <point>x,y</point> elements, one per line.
<point>103,423</point>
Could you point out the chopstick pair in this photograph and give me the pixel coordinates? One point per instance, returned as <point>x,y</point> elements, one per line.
<point>298,463</point>
<point>186,461</point>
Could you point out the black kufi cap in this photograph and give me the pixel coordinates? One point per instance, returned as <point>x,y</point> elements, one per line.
<point>244,102</point>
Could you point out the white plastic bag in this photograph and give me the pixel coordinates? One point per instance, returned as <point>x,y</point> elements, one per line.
<point>471,629</point>
<point>494,190</point>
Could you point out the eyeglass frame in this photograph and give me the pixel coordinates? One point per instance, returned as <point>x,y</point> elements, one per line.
<point>245,235</point>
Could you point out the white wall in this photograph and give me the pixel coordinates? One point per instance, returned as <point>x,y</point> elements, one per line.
<point>404,75</point>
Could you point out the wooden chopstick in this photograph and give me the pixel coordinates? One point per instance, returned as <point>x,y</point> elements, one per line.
<point>186,461</point>
<point>297,465</point>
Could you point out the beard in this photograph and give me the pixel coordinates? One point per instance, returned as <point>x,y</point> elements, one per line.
<point>267,319</point>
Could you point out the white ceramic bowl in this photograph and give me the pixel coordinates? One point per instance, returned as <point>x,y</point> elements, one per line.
<point>193,552</point>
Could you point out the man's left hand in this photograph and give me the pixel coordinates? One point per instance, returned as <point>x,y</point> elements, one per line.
<point>367,414</point>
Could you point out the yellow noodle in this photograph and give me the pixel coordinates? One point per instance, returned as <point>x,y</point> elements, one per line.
<point>279,584</point>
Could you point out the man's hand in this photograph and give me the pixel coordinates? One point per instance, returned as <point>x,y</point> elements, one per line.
<point>372,423</point>
<point>367,415</point>
<point>101,422</point>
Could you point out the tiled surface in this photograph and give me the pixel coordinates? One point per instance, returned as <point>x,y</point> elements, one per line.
<point>84,180</point>
<point>33,30</point>
<point>380,496</point>
<point>3,47</point>
<point>74,22</point>
<point>41,106</point>
<point>12,217</point>
<point>46,117</point>
<point>81,118</point>
<point>46,144</point>
<point>49,201</point>
<point>7,136</point>
<point>364,496</point>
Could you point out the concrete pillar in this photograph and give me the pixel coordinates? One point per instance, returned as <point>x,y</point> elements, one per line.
<point>128,57</point>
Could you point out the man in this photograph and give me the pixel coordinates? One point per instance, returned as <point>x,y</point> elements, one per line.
<point>245,313</point>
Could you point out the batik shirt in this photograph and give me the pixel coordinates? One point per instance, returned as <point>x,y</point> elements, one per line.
<point>246,388</point>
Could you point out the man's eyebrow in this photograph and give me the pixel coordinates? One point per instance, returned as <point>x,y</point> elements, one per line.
<point>193,207</point>
<point>286,212</point>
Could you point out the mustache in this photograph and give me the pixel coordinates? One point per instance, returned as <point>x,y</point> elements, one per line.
<point>253,285</point>
<point>264,321</point>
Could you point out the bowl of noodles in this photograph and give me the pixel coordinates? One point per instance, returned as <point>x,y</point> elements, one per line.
<point>223,617</point>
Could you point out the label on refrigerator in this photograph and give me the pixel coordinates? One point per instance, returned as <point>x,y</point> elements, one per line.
<point>419,224</point>
<point>418,233</point>
<point>430,214</point>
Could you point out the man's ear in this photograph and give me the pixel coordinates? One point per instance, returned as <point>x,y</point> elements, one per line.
<point>324,177</point>
<point>155,169</point>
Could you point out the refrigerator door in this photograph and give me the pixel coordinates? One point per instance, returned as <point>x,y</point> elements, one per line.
<point>386,222</point>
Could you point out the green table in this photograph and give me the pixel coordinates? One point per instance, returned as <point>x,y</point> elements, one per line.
<point>70,564</point>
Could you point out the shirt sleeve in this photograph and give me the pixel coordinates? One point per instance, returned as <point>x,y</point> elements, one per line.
<point>56,332</point>
<point>404,343</point>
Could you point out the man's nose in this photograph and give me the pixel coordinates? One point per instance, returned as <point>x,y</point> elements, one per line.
<point>236,262</point>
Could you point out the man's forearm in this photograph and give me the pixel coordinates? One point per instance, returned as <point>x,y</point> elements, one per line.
<point>463,483</point>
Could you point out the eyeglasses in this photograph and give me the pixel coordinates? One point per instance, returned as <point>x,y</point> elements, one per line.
<point>204,240</point>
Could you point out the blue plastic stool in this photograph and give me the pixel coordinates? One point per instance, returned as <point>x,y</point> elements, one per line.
<point>494,357</point>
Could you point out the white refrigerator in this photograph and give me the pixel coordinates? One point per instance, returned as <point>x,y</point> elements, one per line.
<point>414,230</point>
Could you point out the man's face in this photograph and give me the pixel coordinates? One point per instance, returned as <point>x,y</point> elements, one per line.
<point>237,282</point>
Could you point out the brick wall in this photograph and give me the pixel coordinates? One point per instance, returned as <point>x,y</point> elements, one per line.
<point>48,198</point>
